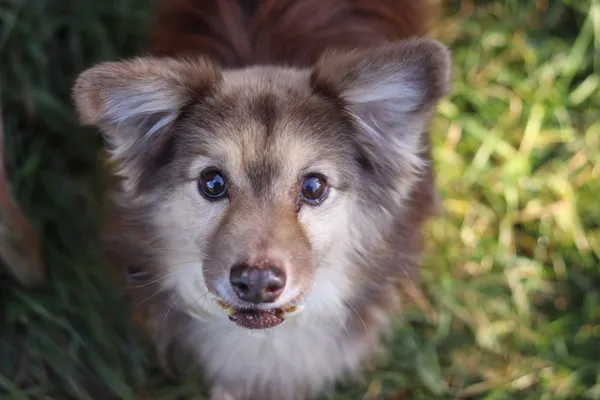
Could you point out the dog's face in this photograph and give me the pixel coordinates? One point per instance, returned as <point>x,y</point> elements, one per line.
<point>265,188</point>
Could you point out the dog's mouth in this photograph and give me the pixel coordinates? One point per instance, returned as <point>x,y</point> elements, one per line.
<point>258,319</point>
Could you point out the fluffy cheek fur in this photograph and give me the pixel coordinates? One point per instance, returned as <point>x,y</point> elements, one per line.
<point>184,225</point>
<point>327,227</point>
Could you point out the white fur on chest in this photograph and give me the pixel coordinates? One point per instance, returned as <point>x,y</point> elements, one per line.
<point>294,359</point>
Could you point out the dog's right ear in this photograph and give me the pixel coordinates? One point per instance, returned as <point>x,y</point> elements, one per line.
<point>390,92</point>
<point>134,102</point>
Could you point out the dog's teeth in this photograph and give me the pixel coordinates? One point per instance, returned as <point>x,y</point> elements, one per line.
<point>294,310</point>
<point>223,305</point>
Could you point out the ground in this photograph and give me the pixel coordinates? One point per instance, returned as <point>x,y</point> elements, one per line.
<point>511,304</point>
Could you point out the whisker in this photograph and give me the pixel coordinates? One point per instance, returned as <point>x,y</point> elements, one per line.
<point>342,321</point>
<point>346,273</point>
<point>149,297</point>
<point>182,263</point>
<point>356,312</point>
<point>156,280</point>
<point>202,296</point>
<point>172,304</point>
<point>191,294</point>
<point>200,253</point>
<point>166,275</point>
<point>199,300</point>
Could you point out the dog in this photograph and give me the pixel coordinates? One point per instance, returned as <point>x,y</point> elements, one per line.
<point>274,176</point>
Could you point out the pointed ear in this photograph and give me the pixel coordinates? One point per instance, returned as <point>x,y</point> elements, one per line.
<point>389,92</point>
<point>134,103</point>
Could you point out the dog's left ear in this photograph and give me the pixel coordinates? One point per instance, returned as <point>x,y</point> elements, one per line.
<point>390,93</point>
<point>134,103</point>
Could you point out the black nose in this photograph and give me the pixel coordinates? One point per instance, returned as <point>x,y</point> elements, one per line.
<point>257,284</point>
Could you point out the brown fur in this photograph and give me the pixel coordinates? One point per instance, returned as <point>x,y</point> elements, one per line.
<point>284,31</point>
<point>320,87</point>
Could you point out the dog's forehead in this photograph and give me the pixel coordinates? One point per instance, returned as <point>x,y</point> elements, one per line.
<point>265,128</point>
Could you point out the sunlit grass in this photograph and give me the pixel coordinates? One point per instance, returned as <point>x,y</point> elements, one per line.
<point>511,303</point>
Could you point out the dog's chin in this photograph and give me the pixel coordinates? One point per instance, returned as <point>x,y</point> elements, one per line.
<point>259,319</point>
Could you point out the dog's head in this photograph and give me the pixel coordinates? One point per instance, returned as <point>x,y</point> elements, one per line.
<point>262,190</point>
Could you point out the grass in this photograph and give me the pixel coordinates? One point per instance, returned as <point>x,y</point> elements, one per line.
<point>511,304</point>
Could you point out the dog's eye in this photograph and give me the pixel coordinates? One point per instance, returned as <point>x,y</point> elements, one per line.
<point>212,185</point>
<point>314,189</point>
